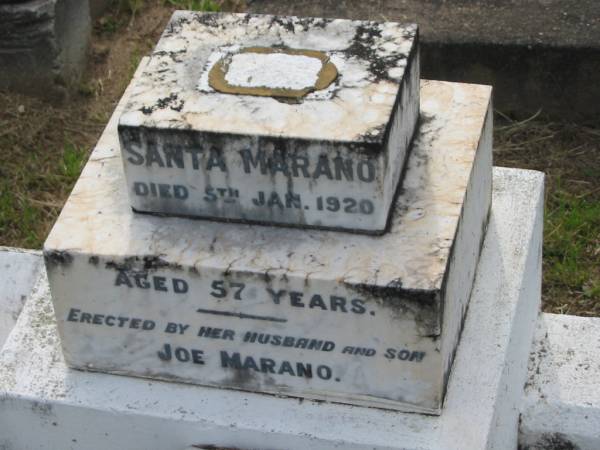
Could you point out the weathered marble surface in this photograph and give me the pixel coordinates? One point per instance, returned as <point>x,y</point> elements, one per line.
<point>406,290</point>
<point>332,159</point>
<point>561,406</point>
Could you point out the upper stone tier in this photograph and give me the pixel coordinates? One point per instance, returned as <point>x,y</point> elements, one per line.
<point>271,119</point>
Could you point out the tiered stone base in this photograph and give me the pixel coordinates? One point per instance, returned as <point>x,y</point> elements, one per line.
<point>44,404</point>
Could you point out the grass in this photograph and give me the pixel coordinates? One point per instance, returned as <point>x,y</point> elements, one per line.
<point>35,180</point>
<point>569,155</point>
<point>44,147</point>
<point>124,12</point>
<point>134,6</point>
<point>19,215</point>
<point>572,250</point>
<point>134,61</point>
<point>73,159</point>
<point>195,5</point>
<point>22,215</point>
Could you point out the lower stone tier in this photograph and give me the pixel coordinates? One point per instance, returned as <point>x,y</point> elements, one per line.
<point>323,315</point>
<point>44,404</point>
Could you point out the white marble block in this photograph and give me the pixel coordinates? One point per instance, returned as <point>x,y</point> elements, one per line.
<point>366,320</point>
<point>277,120</point>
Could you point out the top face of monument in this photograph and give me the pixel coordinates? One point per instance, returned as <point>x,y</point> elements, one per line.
<point>316,79</point>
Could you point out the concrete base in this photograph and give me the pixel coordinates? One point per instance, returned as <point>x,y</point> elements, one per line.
<point>561,408</point>
<point>43,404</point>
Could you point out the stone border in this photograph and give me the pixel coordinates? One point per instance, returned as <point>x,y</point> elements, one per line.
<point>561,406</point>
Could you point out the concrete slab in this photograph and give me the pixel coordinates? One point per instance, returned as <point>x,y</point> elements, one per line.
<point>43,404</point>
<point>19,271</point>
<point>561,408</point>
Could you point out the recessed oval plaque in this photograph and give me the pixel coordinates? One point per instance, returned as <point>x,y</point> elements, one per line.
<point>272,72</point>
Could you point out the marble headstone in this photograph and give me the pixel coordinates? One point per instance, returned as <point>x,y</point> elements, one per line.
<point>351,318</point>
<point>278,120</point>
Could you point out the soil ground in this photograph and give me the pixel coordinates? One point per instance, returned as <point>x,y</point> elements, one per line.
<point>43,148</point>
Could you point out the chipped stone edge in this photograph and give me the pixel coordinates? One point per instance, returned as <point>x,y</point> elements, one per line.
<point>554,415</point>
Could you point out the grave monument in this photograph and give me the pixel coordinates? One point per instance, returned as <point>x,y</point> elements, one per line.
<point>288,212</point>
<point>283,240</point>
<point>304,122</point>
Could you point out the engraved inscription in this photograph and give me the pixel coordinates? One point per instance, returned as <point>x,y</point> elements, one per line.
<point>241,329</point>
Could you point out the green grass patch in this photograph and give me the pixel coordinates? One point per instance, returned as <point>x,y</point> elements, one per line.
<point>135,59</point>
<point>132,7</point>
<point>107,25</point>
<point>73,159</point>
<point>195,5</point>
<point>32,193</point>
<point>20,215</point>
<point>572,244</point>
<point>569,155</point>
